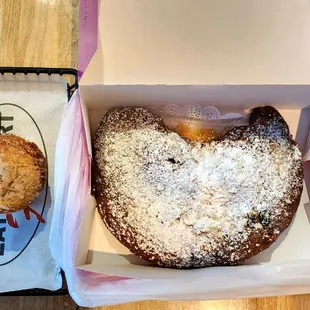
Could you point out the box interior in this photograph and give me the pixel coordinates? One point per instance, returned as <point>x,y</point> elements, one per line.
<point>102,253</point>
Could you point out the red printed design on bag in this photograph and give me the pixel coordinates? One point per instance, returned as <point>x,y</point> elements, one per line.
<point>13,223</point>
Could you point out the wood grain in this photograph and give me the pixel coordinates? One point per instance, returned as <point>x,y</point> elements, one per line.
<point>37,303</point>
<point>39,33</point>
<point>297,302</point>
<point>44,33</point>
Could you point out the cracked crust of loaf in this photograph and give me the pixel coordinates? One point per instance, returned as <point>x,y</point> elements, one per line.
<point>262,228</point>
<point>23,172</point>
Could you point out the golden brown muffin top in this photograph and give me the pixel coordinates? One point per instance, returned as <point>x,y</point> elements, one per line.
<point>23,172</point>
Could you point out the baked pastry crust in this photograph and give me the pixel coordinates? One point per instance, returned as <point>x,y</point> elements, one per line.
<point>23,173</point>
<point>180,204</point>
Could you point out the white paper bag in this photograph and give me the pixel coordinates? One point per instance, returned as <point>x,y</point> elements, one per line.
<point>31,107</point>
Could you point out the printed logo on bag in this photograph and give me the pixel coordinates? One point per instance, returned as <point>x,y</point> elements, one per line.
<point>18,229</point>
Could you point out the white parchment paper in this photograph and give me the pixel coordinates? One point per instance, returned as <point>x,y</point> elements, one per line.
<point>31,107</point>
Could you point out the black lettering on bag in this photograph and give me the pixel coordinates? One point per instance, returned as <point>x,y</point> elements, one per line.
<point>5,129</point>
<point>2,230</point>
<point>2,238</point>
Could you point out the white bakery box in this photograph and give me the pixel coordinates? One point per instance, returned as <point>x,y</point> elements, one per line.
<point>233,55</point>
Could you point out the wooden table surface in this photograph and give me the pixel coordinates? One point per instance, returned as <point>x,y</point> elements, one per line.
<point>44,33</point>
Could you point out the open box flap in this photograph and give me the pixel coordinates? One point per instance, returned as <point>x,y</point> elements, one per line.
<point>202,42</point>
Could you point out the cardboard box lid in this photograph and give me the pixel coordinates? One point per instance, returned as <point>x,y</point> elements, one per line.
<point>202,42</point>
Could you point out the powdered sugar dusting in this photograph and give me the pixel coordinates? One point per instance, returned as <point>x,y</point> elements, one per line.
<point>190,203</point>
